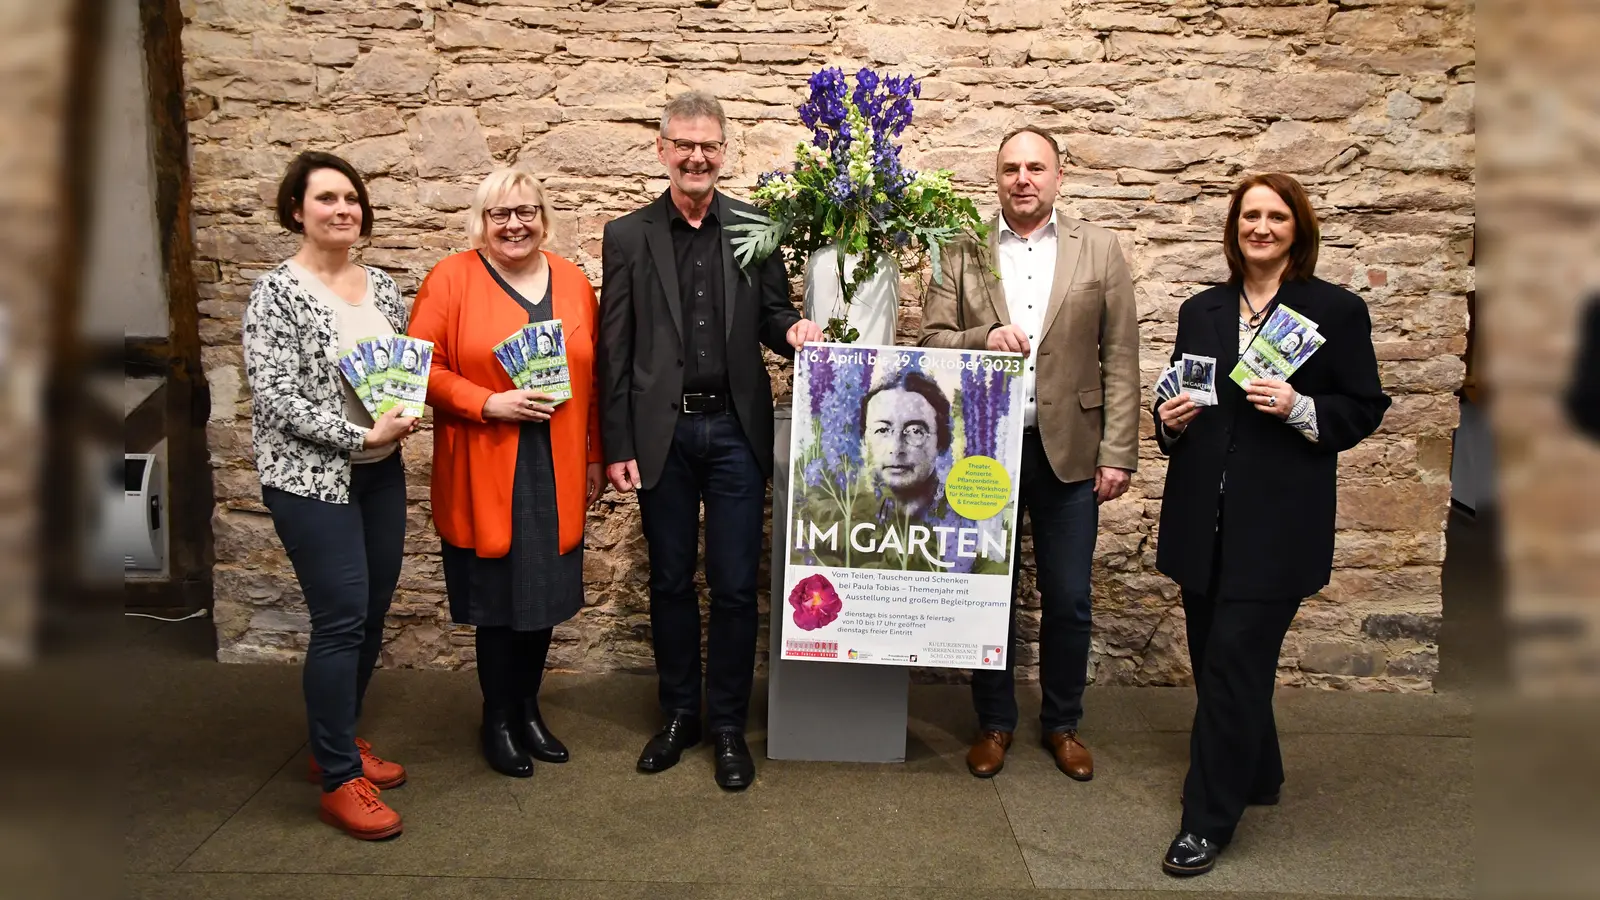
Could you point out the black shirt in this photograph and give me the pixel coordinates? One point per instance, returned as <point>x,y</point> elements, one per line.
<point>698,255</point>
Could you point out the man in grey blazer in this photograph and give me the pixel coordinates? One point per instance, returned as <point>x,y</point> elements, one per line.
<point>1065,300</point>
<point>686,417</point>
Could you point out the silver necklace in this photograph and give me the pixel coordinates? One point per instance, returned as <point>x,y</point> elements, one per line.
<point>1255,317</point>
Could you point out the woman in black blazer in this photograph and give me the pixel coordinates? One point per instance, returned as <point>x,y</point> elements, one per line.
<point>1248,512</point>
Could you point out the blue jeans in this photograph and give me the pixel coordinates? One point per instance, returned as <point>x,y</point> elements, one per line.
<point>1066,520</point>
<point>710,461</point>
<point>346,557</point>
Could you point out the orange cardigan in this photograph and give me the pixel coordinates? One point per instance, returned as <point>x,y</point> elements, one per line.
<point>464,312</point>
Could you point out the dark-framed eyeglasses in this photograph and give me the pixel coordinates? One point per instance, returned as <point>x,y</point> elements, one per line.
<point>502,214</point>
<point>709,149</point>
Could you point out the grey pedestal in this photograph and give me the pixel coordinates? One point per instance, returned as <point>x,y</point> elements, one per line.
<point>839,712</point>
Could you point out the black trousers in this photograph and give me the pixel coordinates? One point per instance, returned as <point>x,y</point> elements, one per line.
<point>1233,744</point>
<point>511,664</point>
<point>710,461</point>
<point>346,557</point>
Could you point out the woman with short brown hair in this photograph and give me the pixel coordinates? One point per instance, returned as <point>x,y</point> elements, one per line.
<point>330,475</point>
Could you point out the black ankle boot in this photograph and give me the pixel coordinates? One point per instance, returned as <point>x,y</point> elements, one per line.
<point>536,737</point>
<point>500,747</point>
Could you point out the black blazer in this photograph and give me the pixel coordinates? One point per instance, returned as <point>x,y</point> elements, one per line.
<point>640,354</point>
<point>1583,396</point>
<point>1280,499</point>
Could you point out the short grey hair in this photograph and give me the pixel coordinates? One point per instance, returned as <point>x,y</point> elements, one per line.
<point>694,105</point>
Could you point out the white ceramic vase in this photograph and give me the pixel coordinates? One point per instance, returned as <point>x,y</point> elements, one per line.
<point>874,308</point>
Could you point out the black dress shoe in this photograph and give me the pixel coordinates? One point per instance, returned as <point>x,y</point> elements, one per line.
<point>536,738</point>
<point>500,747</point>
<point>735,768</point>
<point>1190,854</point>
<point>663,751</point>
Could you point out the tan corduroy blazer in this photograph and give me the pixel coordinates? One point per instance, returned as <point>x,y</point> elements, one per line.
<point>1087,354</point>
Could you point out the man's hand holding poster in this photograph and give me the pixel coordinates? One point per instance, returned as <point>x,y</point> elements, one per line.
<point>904,479</point>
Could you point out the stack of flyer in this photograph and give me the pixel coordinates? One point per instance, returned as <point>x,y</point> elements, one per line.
<point>1194,375</point>
<point>388,372</point>
<point>1286,340</point>
<point>536,359</point>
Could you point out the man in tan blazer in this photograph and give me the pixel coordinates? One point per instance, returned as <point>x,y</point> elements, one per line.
<point>1065,300</point>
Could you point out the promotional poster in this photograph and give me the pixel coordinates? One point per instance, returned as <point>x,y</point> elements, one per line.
<point>904,474</point>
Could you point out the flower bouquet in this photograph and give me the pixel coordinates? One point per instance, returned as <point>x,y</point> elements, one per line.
<point>847,190</point>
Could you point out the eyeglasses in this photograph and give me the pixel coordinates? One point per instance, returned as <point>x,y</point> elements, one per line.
<point>502,214</point>
<point>710,149</point>
<point>915,434</point>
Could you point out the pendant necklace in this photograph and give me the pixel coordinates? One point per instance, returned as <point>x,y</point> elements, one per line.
<point>1255,317</point>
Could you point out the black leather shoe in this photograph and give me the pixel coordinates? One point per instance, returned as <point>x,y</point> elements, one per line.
<point>500,747</point>
<point>664,750</point>
<point>536,738</point>
<point>1190,854</point>
<point>735,768</point>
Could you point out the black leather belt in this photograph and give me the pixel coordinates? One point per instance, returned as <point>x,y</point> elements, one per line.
<point>699,404</point>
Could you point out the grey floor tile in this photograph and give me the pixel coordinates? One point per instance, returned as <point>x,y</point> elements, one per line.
<point>1380,816</point>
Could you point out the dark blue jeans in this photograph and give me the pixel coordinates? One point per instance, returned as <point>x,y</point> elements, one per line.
<point>710,461</point>
<point>1066,519</point>
<point>347,559</point>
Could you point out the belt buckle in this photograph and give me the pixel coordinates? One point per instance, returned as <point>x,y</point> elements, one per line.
<point>691,403</point>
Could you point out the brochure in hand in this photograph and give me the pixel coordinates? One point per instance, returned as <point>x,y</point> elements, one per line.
<point>536,359</point>
<point>389,371</point>
<point>1286,340</point>
<point>1194,375</point>
<point>513,355</point>
<point>547,360</point>
<point>407,383</point>
<point>1198,377</point>
<point>375,362</point>
<point>355,372</point>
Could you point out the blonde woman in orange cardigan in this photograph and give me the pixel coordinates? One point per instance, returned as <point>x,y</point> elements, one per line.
<point>513,472</point>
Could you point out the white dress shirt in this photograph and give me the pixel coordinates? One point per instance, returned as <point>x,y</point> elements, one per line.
<point>1027,273</point>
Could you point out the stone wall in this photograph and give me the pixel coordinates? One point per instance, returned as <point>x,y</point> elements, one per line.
<point>1162,108</point>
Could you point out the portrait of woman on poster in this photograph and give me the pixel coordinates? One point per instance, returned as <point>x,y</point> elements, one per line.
<point>513,472</point>
<point>1243,559</point>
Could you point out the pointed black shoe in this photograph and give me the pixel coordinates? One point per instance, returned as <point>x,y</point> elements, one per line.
<point>663,751</point>
<point>1190,854</point>
<point>536,737</point>
<point>500,747</point>
<point>735,767</point>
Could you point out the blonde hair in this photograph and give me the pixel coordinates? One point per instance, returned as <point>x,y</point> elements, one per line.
<point>500,183</point>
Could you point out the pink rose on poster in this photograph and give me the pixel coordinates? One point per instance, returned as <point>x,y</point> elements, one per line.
<point>815,603</point>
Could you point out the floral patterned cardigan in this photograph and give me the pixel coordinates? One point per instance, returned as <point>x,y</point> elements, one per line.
<point>291,358</point>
